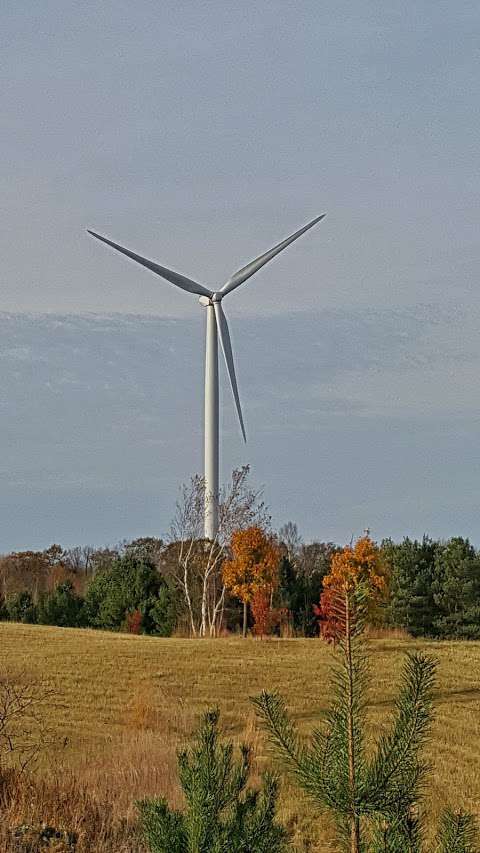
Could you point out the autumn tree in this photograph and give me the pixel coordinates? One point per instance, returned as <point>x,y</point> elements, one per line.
<point>352,567</point>
<point>32,571</point>
<point>253,566</point>
<point>261,608</point>
<point>266,616</point>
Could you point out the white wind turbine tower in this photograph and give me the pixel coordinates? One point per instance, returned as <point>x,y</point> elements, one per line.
<point>216,327</point>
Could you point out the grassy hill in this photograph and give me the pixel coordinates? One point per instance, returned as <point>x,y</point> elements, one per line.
<point>124,704</point>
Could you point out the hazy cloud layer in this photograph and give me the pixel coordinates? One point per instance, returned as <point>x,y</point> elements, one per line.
<point>354,419</point>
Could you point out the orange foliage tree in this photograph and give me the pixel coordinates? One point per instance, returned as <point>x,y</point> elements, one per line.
<point>265,617</point>
<point>253,567</point>
<point>353,567</point>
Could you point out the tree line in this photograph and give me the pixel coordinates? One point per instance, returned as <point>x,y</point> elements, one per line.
<point>248,578</point>
<point>258,581</point>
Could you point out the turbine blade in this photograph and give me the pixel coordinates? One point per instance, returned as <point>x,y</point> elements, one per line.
<point>241,275</point>
<point>164,272</point>
<point>226,344</point>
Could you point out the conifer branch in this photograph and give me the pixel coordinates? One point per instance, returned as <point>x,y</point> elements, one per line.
<point>272,712</point>
<point>397,771</point>
<point>458,833</point>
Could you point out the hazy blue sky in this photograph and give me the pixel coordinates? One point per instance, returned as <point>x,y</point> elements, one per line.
<point>200,134</point>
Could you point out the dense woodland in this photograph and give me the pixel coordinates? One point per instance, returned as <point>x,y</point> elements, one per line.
<point>431,588</point>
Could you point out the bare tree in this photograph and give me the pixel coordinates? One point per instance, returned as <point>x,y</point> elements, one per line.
<point>79,559</point>
<point>198,569</point>
<point>289,536</point>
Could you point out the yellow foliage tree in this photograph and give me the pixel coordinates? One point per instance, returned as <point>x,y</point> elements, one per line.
<point>360,564</point>
<point>254,566</point>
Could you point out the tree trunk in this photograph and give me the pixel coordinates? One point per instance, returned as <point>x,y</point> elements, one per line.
<point>244,632</point>
<point>203,624</point>
<point>188,600</point>
<point>217,617</point>
<point>354,822</point>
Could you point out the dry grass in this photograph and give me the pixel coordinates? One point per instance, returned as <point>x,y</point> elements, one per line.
<point>127,702</point>
<point>61,800</point>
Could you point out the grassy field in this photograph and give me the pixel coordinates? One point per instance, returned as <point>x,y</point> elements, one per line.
<point>124,704</point>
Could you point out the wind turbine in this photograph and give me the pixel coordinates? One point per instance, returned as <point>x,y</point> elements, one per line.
<point>217,327</point>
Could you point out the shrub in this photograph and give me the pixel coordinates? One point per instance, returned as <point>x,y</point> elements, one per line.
<point>133,622</point>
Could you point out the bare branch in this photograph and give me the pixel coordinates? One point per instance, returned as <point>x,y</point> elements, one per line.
<point>25,706</point>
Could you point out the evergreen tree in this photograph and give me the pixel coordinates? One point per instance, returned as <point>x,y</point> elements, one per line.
<point>62,607</point>
<point>302,571</point>
<point>411,566</point>
<point>160,617</point>
<point>129,583</point>
<point>456,589</point>
<point>374,800</point>
<point>221,815</point>
<point>298,594</point>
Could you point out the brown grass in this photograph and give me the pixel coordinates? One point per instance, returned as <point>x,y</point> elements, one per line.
<point>127,702</point>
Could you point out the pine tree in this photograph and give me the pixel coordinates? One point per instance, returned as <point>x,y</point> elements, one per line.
<point>221,815</point>
<point>412,571</point>
<point>456,589</point>
<point>374,800</point>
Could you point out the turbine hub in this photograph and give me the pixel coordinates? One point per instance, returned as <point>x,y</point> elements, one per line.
<point>209,300</point>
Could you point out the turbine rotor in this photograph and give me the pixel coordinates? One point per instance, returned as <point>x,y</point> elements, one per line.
<point>210,298</point>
